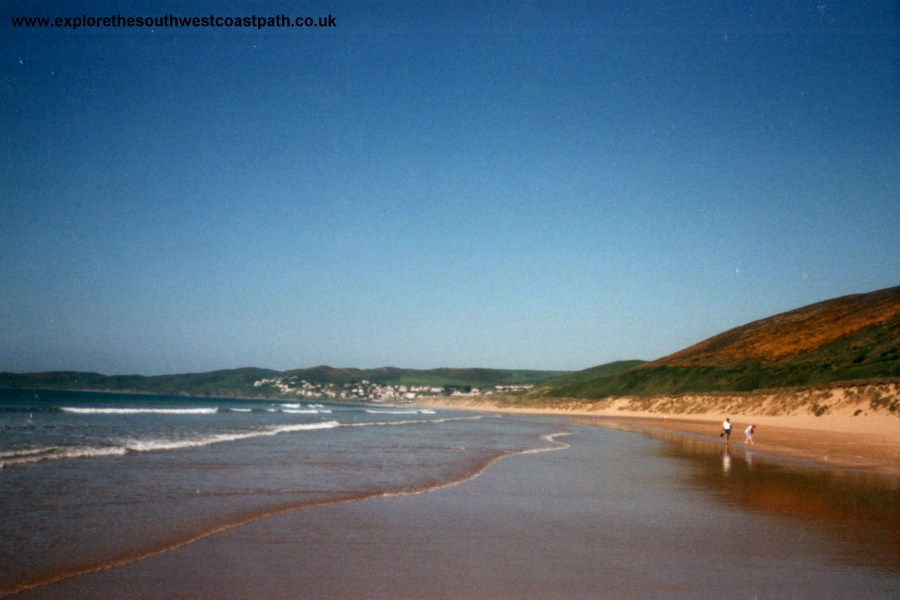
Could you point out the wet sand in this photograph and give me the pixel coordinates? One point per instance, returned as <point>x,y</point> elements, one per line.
<point>614,515</point>
<point>839,439</point>
<point>859,451</point>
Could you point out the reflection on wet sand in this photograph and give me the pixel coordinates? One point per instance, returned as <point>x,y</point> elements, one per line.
<point>860,510</point>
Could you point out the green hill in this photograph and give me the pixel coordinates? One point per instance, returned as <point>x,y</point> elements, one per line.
<point>240,382</point>
<point>852,338</point>
<point>232,382</point>
<point>430,377</point>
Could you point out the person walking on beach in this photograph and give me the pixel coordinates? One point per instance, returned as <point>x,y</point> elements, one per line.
<point>748,434</point>
<point>726,430</point>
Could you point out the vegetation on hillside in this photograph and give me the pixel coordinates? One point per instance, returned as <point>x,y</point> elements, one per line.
<point>232,382</point>
<point>850,339</point>
<point>240,382</point>
<point>855,338</point>
<point>431,377</point>
<point>796,333</point>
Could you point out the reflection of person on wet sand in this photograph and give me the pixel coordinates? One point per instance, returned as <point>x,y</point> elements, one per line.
<point>726,460</point>
<point>726,430</point>
<point>748,434</point>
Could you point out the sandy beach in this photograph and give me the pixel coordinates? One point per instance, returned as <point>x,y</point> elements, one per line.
<point>850,435</point>
<point>599,514</point>
<point>617,504</point>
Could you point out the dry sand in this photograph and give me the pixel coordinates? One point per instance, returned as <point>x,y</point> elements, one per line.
<point>851,432</point>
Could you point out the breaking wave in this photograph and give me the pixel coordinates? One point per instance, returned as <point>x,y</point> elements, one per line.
<point>34,455</point>
<point>139,411</point>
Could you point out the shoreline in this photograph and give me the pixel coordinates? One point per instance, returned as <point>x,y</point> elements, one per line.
<point>554,524</point>
<point>839,439</point>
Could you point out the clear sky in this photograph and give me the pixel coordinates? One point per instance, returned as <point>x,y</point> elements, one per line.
<point>527,184</point>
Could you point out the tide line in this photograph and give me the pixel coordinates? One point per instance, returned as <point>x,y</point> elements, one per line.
<point>551,438</point>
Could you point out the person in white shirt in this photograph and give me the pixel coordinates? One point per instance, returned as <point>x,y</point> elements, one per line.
<point>726,430</point>
<point>748,434</point>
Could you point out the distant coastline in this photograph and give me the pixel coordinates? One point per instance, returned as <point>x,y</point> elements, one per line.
<point>323,382</point>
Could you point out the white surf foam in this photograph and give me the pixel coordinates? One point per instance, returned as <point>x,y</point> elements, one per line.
<point>33,455</point>
<point>139,411</point>
<point>382,411</point>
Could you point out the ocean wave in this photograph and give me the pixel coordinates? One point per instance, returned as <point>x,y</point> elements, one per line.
<point>156,445</point>
<point>412,422</point>
<point>126,446</point>
<point>380,411</point>
<point>139,411</point>
<point>34,455</point>
<point>550,438</point>
<point>25,452</point>
<point>300,411</point>
<point>299,406</point>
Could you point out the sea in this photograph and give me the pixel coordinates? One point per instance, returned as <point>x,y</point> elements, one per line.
<point>90,480</point>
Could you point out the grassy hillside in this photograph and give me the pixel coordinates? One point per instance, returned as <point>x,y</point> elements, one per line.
<point>846,339</point>
<point>613,369</point>
<point>433,377</point>
<point>233,382</point>
<point>239,382</point>
<point>792,334</point>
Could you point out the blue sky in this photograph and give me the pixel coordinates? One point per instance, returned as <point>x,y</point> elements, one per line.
<point>548,185</point>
